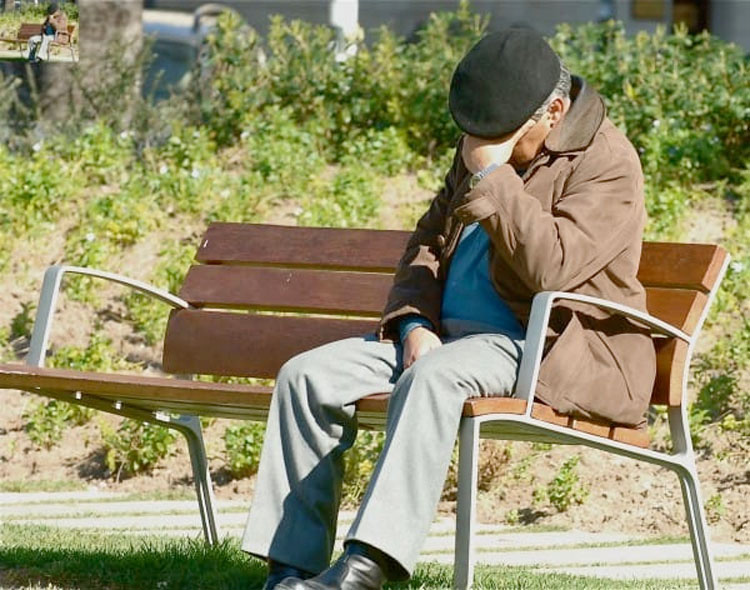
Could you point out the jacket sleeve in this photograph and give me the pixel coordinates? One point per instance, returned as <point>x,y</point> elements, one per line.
<point>417,286</point>
<point>594,219</point>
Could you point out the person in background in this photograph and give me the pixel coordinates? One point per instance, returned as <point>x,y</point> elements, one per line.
<point>55,24</point>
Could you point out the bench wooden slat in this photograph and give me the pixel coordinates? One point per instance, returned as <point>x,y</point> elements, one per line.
<point>663,264</point>
<point>504,405</point>
<point>133,386</point>
<point>682,266</point>
<point>508,405</point>
<point>324,291</point>
<point>314,290</point>
<point>671,356</point>
<point>28,30</point>
<point>241,243</point>
<point>247,345</point>
<point>678,307</point>
<point>293,289</point>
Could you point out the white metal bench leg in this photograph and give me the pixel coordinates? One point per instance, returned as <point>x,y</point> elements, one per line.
<point>468,458</point>
<point>187,425</point>
<point>691,495</point>
<point>696,518</point>
<point>190,427</point>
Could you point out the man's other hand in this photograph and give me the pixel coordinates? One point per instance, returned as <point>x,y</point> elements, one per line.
<point>418,343</point>
<point>478,153</point>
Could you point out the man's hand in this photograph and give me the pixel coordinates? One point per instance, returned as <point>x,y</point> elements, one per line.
<point>419,342</point>
<point>479,153</point>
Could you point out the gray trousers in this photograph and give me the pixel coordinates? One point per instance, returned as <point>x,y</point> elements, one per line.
<point>312,422</point>
<point>43,52</point>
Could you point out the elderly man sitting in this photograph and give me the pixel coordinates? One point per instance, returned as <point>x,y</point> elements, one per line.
<point>544,193</point>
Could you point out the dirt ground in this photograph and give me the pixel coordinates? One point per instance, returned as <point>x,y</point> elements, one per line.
<point>621,494</point>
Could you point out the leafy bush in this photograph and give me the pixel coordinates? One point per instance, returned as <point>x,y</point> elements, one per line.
<point>359,463</point>
<point>390,84</point>
<point>149,317</point>
<point>242,446</point>
<point>565,488</point>
<point>349,200</point>
<point>23,322</point>
<point>683,100</point>
<point>135,447</point>
<point>47,422</point>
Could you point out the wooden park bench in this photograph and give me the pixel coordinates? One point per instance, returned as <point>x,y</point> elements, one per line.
<point>28,30</point>
<point>261,294</point>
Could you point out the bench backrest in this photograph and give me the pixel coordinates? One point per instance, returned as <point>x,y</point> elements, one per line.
<point>28,30</point>
<point>264,293</point>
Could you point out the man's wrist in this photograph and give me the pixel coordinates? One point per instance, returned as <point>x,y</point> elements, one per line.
<point>412,322</point>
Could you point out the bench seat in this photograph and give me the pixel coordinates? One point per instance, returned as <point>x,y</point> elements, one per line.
<point>250,402</point>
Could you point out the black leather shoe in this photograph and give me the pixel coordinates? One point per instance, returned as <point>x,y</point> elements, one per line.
<point>280,571</point>
<point>350,572</point>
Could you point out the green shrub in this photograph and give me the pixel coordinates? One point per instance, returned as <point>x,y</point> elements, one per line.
<point>149,316</point>
<point>96,356</point>
<point>565,488</point>
<point>387,152</point>
<point>135,447</point>
<point>45,423</point>
<point>359,463</point>
<point>349,200</point>
<point>242,446</point>
<point>390,84</point>
<point>715,508</point>
<point>23,322</point>
<point>35,189</point>
<point>683,100</point>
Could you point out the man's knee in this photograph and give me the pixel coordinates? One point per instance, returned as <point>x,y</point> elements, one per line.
<point>308,378</point>
<point>432,376</point>
<point>295,370</point>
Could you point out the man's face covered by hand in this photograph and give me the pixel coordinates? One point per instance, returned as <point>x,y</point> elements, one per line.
<point>495,91</point>
<point>518,148</point>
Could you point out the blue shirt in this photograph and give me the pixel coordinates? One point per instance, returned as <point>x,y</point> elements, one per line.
<point>470,303</point>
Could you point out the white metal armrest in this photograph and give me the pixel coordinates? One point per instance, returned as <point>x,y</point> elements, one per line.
<point>48,300</point>
<point>536,333</point>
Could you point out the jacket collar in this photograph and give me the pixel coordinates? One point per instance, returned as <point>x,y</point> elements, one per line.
<point>581,122</point>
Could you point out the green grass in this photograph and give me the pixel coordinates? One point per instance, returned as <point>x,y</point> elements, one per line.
<point>129,513</point>
<point>41,485</point>
<point>34,557</point>
<point>172,494</point>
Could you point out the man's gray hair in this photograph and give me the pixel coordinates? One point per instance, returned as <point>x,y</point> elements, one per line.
<point>561,90</point>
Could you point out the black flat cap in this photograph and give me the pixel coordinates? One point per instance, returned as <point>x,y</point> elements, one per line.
<point>503,79</point>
